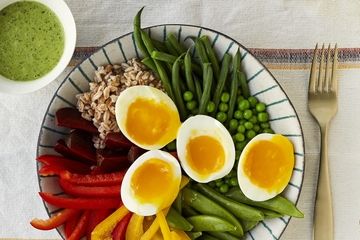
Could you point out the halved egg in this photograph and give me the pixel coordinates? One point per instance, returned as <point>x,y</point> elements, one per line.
<point>151,183</point>
<point>205,148</point>
<point>265,166</point>
<point>147,117</point>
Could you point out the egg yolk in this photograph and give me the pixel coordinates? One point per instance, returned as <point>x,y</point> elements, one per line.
<point>149,122</point>
<point>154,183</point>
<point>269,163</point>
<point>205,155</point>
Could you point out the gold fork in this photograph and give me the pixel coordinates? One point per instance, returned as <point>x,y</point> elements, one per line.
<point>322,103</point>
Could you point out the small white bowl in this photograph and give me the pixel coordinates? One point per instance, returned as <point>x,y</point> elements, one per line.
<point>66,18</point>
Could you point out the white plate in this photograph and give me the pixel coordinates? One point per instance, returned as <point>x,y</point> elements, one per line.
<point>263,85</point>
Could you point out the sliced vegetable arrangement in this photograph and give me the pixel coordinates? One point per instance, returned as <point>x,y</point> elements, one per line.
<point>194,159</point>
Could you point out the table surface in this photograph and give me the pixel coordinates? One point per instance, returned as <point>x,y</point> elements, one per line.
<point>280,33</point>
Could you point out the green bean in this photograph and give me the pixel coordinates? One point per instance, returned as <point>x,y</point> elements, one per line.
<point>198,89</point>
<point>270,214</point>
<point>210,223</point>
<point>239,210</point>
<point>170,48</point>
<point>174,42</point>
<point>278,204</point>
<point>147,41</point>
<point>165,57</point>
<point>176,88</point>
<point>211,54</point>
<point>223,236</point>
<point>225,66</point>
<point>189,211</point>
<point>147,61</point>
<point>197,69</point>
<point>137,34</point>
<point>207,84</point>
<point>194,235</point>
<point>159,45</point>
<point>188,72</point>
<point>248,225</point>
<point>201,52</point>
<point>234,85</point>
<point>207,237</point>
<point>178,202</point>
<point>175,220</point>
<point>206,206</point>
<point>243,84</point>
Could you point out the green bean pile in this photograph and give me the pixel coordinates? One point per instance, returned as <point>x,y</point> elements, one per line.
<point>201,84</point>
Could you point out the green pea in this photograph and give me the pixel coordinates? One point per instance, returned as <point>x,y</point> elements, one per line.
<point>239,137</point>
<point>268,130</point>
<point>234,182</point>
<point>223,107</point>
<point>188,96</point>
<point>253,101</point>
<point>224,188</point>
<point>253,119</point>
<point>210,107</point>
<point>218,184</point>
<point>247,114</point>
<point>241,129</point>
<point>233,124</point>
<point>248,125</point>
<point>263,117</point>
<point>265,125</point>
<point>243,105</point>
<point>191,105</point>
<point>225,97</point>
<point>238,114</point>
<point>260,107</point>
<point>240,146</point>
<point>239,98</point>
<point>250,134</point>
<point>221,116</point>
<point>256,128</point>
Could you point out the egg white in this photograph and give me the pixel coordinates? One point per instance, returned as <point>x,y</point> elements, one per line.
<point>201,125</point>
<point>127,194</point>
<point>130,95</point>
<point>251,190</point>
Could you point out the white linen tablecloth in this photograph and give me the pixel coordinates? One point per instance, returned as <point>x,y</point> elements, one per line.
<point>281,25</point>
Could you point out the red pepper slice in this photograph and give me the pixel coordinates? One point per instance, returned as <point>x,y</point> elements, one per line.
<point>120,229</point>
<point>80,228</point>
<point>54,221</point>
<point>70,225</point>
<point>95,218</point>
<point>84,191</point>
<point>68,164</point>
<point>49,170</point>
<point>107,179</point>
<point>80,203</point>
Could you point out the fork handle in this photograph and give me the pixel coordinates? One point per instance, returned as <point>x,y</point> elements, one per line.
<point>323,216</point>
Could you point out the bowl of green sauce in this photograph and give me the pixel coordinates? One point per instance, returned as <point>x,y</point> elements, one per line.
<point>37,41</point>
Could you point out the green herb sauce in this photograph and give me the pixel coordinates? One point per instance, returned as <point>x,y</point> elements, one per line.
<point>31,41</point>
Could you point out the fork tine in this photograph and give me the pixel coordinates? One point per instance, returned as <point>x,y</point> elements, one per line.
<point>321,72</point>
<point>334,82</point>
<point>313,78</point>
<point>327,71</point>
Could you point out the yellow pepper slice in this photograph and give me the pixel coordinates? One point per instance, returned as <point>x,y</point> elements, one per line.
<point>104,229</point>
<point>163,225</point>
<point>135,229</point>
<point>151,232</point>
<point>184,181</point>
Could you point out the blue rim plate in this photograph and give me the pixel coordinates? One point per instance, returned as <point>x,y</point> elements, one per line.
<point>262,84</point>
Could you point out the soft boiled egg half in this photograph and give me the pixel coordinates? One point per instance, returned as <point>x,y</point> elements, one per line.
<point>205,148</point>
<point>147,117</point>
<point>265,166</point>
<point>151,183</point>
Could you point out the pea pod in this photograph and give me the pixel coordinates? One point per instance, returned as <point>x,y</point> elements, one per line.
<point>137,33</point>
<point>176,221</point>
<point>239,210</point>
<point>177,89</point>
<point>178,203</point>
<point>211,54</point>
<point>206,206</point>
<point>244,86</point>
<point>194,235</point>
<point>159,45</point>
<point>210,223</point>
<point>201,52</point>
<point>188,211</point>
<point>225,67</point>
<point>248,225</point>
<point>176,45</point>
<point>198,89</point>
<point>270,214</point>
<point>170,48</point>
<point>278,204</point>
<point>207,84</point>
<point>234,86</point>
<point>188,72</point>
<point>223,236</point>
<point>165,57</point>
<point>207,237</point>
<point>147,61</point>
